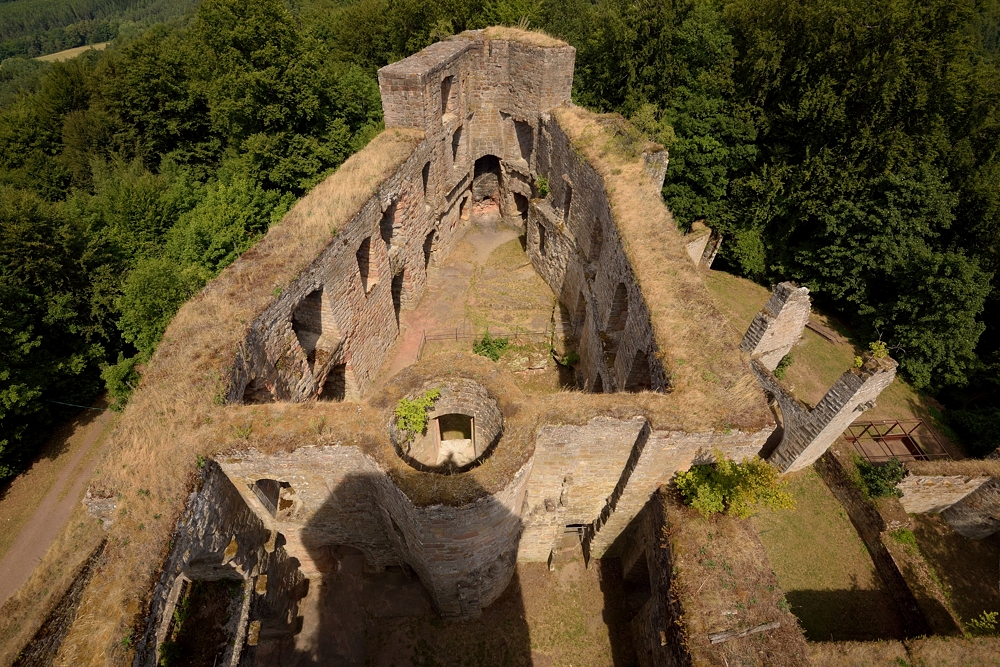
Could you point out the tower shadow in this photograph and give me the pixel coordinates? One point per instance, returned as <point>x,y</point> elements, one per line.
<point>394,584</point>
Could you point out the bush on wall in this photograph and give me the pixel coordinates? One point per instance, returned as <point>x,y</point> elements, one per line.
<point>737,489</point>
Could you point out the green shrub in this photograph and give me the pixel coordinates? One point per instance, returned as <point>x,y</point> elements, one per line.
<point>170,654</point>
<point>783,365</point>
<point>542,185</point>
<point>880,480</point>
<point>411,416</point>
<point>570,359</point>
<point>738,489</point>
<point>489,347</point>
<point>985,624</point>
<point>905,536</point>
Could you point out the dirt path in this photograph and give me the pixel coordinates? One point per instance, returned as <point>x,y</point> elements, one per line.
<point>443,304</point>
<point>70,457</point>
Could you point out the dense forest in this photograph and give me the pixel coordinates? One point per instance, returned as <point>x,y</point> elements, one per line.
<point>850,145</point>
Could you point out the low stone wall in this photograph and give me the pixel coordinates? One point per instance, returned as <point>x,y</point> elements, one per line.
<point>924,494</point>
<point>657,629</point>
<point>978,514</point>
<point>870,526</point>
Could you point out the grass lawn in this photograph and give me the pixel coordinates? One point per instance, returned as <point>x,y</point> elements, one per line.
<point>818,362</point>
<point>967,569</point>
<point>571,617</point>
<point>823,567</point>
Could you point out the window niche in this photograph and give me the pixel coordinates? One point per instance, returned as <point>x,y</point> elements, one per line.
<point>387,225</point>
<point>619,309</point>
<point>449,95</point>
<point>397,294</point>
<point>596,241</point>
<point>335,385</point>
<point>639,377</point>
<point>456,146</point>
<point>425,177</point>
<point>429,247</point>
<point>541,240</point>
<point>315,328</point>
<point>525,139</point>
<point>368,278</point>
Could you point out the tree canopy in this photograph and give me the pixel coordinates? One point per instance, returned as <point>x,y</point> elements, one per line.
<point>850,146</point>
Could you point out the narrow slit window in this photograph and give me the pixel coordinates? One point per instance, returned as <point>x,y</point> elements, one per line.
<point>368,281</point>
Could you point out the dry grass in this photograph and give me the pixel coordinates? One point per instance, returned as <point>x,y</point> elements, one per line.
<point>967,467</point>
<point>710,377</point>
<point>23,614</point>
<point>724,581</point>
<point>930,652</point>
<point>173,417</point>
<point>857,654</point>
<point>532,37</point>
<point>949,652</point>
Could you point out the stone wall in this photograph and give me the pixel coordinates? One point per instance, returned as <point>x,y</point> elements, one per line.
<point>657,629</point>
<point>970,505</point>
<point>923,494</point>
<point>574,245</point>
<point>978,514</point>
<point>594,479</point>
<point>473,97</point>
<point>464,555</point>
<point>778,326</point>
<point>220,537</point>
<point>807,432</point>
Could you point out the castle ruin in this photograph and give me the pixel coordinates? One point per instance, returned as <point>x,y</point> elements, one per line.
<point>480,122</point>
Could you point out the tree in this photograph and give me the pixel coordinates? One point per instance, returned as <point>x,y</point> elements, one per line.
<point>48,344</point>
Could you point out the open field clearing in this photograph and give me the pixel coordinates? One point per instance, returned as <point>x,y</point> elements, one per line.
<point>69,54</point>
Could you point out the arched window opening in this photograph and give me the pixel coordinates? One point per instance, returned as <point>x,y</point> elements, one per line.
<point>425,176</point>
<point>273,495</point>
<point>580,316</point>
<point>335,386</point>
<point>541,240</point>
<point>521,204</point>
<point>456,434</point>
<point>314,325</point>
<point>387,224</point>
<point>257,391</point>
<point>525,138</point>
<point>596,241</point>
<point>567,202</point>
<point>429,247</point>
<point>397,294</point>
<point>639,375</point>
<point>456,145</point>
<point>619,309</point>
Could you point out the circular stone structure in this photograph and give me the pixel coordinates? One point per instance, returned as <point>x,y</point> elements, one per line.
<point>462,429</point>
